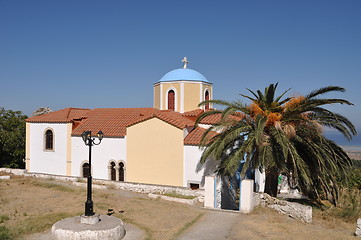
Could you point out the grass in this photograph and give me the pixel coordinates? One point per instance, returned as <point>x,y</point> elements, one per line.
<point>348,208</point>
<point>34,205</point>
<point>177,195</point>
<point>147,231</point>
<point>188,225</point>
<point>5,233</point>
<point>39,223</point>
<point>3,218</point>
<point>52,186</point>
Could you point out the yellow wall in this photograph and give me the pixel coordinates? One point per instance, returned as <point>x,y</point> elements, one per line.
<point>165,88</point>
<point>68,149</point>
<point>155,153</point>
<point>27,147</point>
<point>157,96</point>
<point>191,96</point>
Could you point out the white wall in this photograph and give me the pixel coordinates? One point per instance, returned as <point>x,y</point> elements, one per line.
<point>108,149</point>
<point>45,161</point>
<point>192,154</point>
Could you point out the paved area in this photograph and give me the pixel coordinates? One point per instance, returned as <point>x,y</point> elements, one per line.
<point>212,225</point>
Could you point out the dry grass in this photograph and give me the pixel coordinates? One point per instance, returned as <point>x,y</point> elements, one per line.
<point>31,205</point>
<point>267,224</point>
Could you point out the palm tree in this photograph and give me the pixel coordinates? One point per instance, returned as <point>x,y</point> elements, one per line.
<point>279,135</point>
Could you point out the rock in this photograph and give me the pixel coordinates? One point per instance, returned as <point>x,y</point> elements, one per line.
<point>358,228</point>
<point>292,209</point>
<point>41,111</point>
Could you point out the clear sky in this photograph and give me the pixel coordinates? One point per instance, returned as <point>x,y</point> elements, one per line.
<point>93,54</point>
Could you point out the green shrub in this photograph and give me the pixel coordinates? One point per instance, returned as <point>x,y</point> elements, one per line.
<point>355,179</point>
<point>348,207</point>
<point>3,218</point>
<point>5,233</point>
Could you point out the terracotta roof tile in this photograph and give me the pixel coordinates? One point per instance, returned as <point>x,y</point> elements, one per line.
<point>193,113</point>
<point>215,118</point>
<point>195,136</point>
<point>61,116</point>
<point>114,121</point>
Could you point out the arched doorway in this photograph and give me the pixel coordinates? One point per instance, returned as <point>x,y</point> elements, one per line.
<point>113,172</point>
<point>86,170</point>
<point>206,98</point>
<point>121,172</point>
<point>171,100</point>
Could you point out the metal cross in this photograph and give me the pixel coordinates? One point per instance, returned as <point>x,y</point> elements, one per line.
<point>185,62</point>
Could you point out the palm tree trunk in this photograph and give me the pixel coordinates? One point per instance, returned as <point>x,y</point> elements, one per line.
<point>271,184</point>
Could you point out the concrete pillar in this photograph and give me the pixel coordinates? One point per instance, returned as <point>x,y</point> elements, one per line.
<point>260,179</point>
<point>246,198</point>
<point>209,191</point>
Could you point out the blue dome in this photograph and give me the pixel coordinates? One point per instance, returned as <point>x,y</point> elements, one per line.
<point>183,74</point>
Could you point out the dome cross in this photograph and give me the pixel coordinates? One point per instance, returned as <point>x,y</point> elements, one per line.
<point>185,62</point>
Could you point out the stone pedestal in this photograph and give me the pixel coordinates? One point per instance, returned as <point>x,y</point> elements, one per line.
<point>79,228</point>
<point>90,219</point>
<point>358,228</point>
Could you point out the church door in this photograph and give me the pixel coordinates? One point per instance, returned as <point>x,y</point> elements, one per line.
<point>171,100</point>
<point>206,98</point>
<point>121,172</point>
<point>86,170</point>
<point>112,171</point>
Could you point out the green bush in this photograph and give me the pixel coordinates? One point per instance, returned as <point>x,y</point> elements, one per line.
<point>5,233</point>
<point>355,179</point>
<point>348,207</point>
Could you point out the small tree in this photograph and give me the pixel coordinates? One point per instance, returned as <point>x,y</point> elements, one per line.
<point>281,136</point>
<point>12,138</point>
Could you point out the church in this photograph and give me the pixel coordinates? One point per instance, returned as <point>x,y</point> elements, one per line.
<point>156,145</point>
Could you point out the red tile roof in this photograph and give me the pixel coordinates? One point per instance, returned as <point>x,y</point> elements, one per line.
<point>193,113</point>
<point>215,118</point>
<point>114,121</point>
<point>195,136</point>
<point>61,116</point>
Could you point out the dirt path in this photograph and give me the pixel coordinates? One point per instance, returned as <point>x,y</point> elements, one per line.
<point>212,225</point>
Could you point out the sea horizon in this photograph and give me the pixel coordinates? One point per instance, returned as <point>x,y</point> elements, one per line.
<point>354,144</point>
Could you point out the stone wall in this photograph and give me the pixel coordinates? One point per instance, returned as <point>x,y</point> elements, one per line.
<point>97,183</point>
<point>292,209</point>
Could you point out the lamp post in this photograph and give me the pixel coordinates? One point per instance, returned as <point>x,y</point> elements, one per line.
<point>89,141</point>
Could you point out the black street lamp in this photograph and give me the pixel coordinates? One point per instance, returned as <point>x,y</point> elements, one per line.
<point>89,141</point>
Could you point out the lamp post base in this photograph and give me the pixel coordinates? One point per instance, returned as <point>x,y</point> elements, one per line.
<point>109,228</point>
<point>94,219</point>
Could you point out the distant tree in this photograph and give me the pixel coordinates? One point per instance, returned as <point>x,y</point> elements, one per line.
<point>12,138</point>
<point>282,136</point>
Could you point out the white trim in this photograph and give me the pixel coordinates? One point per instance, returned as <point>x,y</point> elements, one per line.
<point>204,97</point>
<point>182,97</point>
<point>186,81</point>
<point>161,96</point>
<point>201,95</point>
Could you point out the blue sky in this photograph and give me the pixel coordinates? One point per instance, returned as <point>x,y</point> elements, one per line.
<point>95,54</point>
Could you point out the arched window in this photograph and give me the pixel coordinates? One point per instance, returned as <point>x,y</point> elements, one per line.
<point>206,98</point>
<point>113,172</point>
<point>49,140</point>
<point>171,100</point>
<point>121,172</point>
<point>86,170</point>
